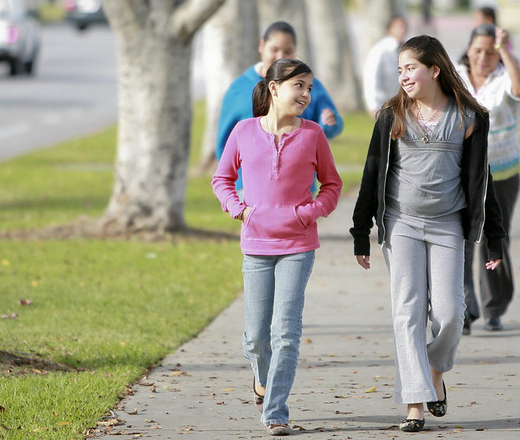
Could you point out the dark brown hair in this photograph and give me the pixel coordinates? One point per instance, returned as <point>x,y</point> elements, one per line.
<point>280,26</point>
<point>430,52</point>
<point>281,70</point>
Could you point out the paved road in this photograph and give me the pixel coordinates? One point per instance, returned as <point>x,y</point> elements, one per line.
<point>73,93</point>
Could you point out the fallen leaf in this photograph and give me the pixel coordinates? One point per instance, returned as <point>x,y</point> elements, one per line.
<point>186,428</point>
<point>178,373</point>
<point>371,390</point>
<point>109,422</point>
<point>11,316</point>
<point>5,262</point>
<point>228,389</point>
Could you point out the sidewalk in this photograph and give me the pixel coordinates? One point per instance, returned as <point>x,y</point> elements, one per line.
<point>344,384</point>
<point>345,380</point>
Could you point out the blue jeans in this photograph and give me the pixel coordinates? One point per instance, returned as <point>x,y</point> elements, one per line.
<point>274,290</point>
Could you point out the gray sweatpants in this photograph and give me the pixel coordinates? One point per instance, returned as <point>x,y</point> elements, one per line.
<point>425,258</point>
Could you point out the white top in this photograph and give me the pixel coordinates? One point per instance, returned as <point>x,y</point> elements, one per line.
<point>380,73</point>
<point>496,96</point>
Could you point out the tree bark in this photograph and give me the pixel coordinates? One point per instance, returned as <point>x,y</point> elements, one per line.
<point>154,45</point>
<point>333,62</point>
<point>230,45</point>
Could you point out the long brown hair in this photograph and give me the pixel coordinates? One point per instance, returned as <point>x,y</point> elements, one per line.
<point>281,70</point>
<point>430,52</point>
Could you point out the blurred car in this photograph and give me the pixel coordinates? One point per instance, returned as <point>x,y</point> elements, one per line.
<point>83,13</point>
<point>20,37</point>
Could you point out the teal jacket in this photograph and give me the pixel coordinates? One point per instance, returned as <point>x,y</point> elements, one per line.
<point>238,105</point>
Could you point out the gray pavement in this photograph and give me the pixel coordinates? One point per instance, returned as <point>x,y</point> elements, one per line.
<point>345,380</point>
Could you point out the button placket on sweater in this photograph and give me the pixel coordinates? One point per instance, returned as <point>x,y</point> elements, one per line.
<point>277,153</point>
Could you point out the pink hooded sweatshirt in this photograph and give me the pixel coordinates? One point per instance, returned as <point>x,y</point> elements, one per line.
<point>277,184</point>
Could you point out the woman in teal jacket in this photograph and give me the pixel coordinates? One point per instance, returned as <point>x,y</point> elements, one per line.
<point>279,41</point>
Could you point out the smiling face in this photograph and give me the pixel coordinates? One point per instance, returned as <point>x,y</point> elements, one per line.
<point>416,79</point>
<point>278,45</point>
<point>482,56</point>
<point>292,96</point>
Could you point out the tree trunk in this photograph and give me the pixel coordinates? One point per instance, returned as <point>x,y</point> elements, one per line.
<point>154,44</point>
<point>230,45</point>
<point>377,14</point>
<point>333,62</point>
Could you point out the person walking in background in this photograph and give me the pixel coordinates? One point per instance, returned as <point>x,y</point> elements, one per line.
<point>279,41</point>
<point>426,184</point>
<point>492,76</point>
<point>483,15</point>
<point>279,154</point>
<point>380,75</point>
<point>426,7</point>
<point>488,14</point>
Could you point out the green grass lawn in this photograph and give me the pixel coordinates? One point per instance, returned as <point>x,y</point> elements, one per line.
<point>82,319</point>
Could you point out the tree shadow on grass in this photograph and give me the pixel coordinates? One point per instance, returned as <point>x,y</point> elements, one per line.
<point>91,228</point>
<point>24,363</point>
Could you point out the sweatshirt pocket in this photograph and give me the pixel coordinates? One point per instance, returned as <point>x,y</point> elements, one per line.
<point>280,222</point>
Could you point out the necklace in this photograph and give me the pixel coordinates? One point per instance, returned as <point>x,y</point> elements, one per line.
<point>425,124</point>
<point>276,136</point>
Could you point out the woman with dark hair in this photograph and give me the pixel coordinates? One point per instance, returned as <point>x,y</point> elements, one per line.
<point>492,76</point>
<point>279,154</point>
<point>279,41</point>
<point>426,184</point>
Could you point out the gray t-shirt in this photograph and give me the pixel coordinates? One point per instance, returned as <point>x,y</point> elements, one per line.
<point>424,178</point>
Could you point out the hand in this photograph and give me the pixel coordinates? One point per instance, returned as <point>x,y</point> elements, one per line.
<point>363,261</point>
<point>493,264</point>
<point>328,117</point>
<point>246,213</point>
<point>501,38</point>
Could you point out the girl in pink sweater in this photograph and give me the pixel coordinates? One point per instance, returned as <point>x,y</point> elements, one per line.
<point>279,154</point>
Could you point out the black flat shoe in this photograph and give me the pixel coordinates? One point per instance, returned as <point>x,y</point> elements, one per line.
<point>258,398</point>
<point>493,325</point>
<point>440,407</point>
<point>466,330</point>
<point>411,425</point>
